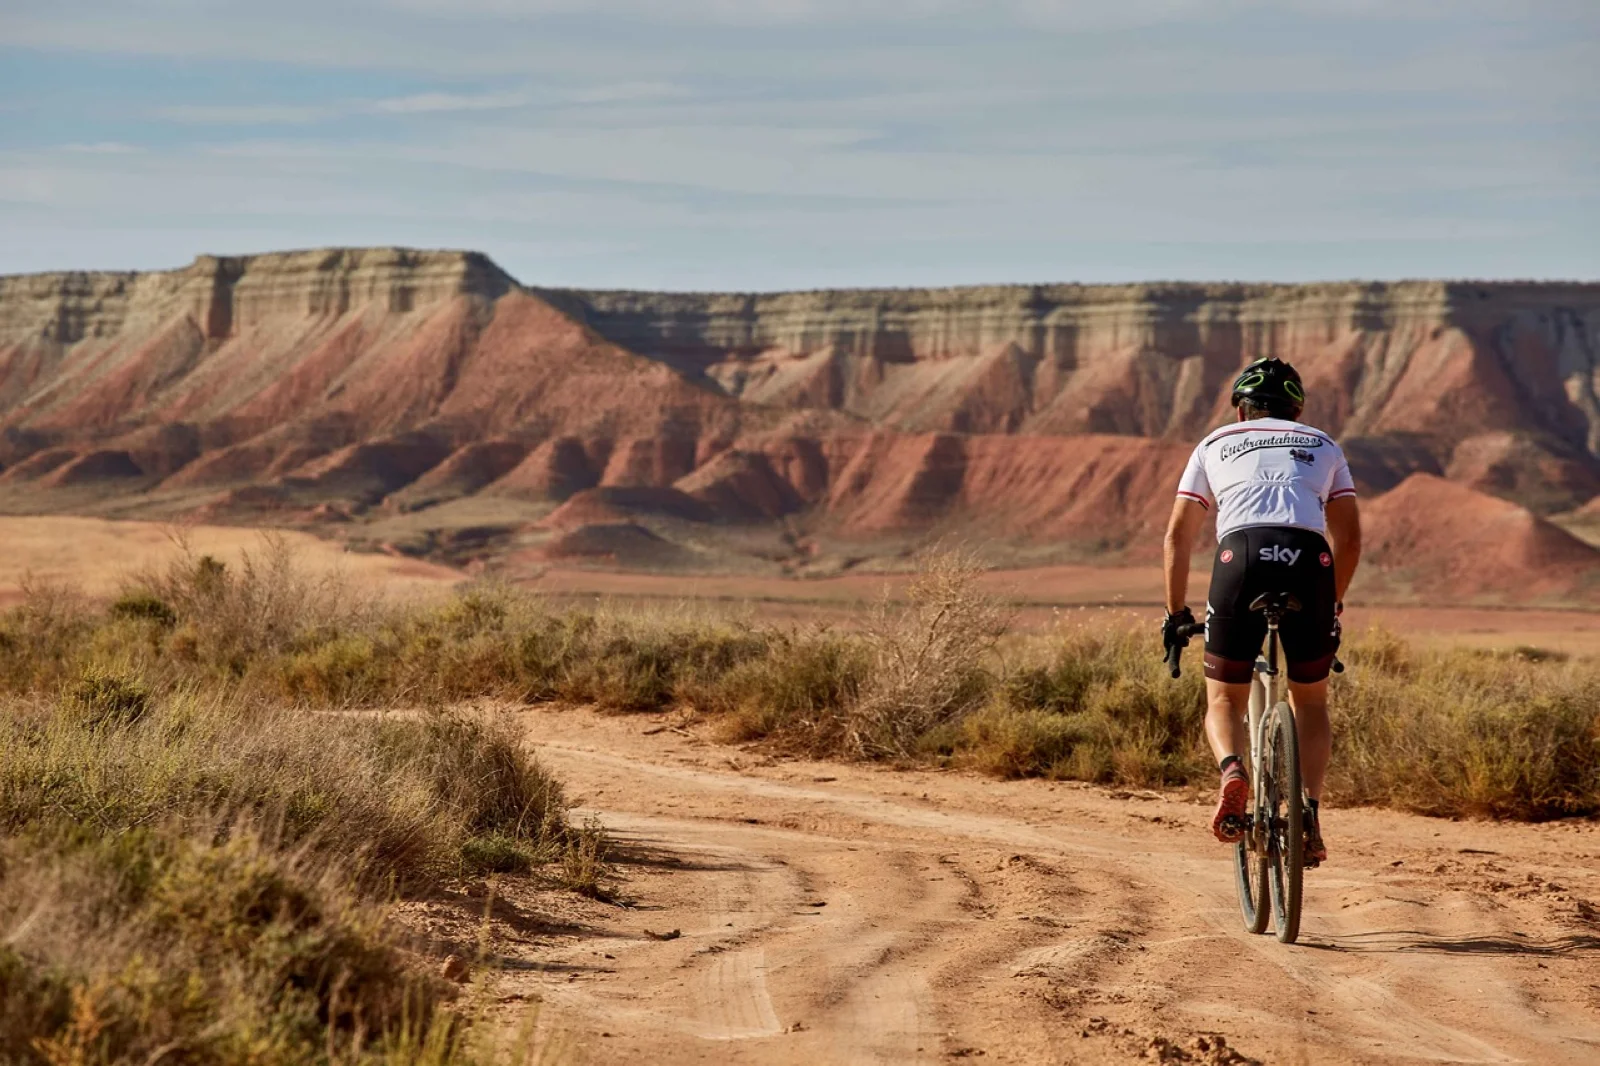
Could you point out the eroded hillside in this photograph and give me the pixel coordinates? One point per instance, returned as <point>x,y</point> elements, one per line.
<point>1496,385</point>
<point>440,408</point>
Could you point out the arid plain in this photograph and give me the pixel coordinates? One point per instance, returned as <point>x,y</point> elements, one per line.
<point>671,546</point>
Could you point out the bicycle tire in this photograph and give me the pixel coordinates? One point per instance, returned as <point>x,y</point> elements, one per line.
<point>1250,872</point>
<point>1286,811</point>
<point>1250,869</point>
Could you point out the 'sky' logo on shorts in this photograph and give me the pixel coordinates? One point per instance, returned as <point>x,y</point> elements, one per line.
<point>1277,553</point>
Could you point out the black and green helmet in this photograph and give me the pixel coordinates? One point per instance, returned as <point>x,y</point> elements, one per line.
<point>1272,385</point>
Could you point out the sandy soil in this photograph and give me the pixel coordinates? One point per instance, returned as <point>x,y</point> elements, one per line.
<point>791,912</point>
<point>99,555</point>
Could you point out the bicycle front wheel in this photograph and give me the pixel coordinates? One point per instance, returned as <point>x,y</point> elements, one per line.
<point>1285,812</point>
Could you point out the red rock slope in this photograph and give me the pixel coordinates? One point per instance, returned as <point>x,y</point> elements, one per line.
<point>340,382</point>
<point>1455,543</point>
<point>1497,385</point>
<point>330,375</point>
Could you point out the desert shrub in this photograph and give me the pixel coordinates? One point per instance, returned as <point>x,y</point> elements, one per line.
<point>926,657</point>
<point>1505,734</point>
<point>584,866</point>
<point>395,797</point>
<point>1465,733</point>
<point>796,693</point>
<point>496,853</point>
<point>231,620</point>
<point>1529,653</point>
<point>129,949</point>
<point>144,606</point>
<point>41,638</point>
<point>210,877</point>
<point>1098,707</point>
<point>339,671</point>
<point>105,699</point>
<point>1380,651</point>
<point>476,772</point>
<point>646,664</point>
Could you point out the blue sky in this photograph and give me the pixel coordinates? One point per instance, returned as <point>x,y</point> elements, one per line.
<point>766,144</point>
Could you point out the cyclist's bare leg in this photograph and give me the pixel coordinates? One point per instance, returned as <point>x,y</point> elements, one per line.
<point>1310,704</point>
<point>1227,727</point>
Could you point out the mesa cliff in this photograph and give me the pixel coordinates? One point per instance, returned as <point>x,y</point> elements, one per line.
<point>1495,384</point>
<point>357,385</point>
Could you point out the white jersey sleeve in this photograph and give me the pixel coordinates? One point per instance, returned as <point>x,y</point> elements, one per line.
<point>1343,483</point>
<point>1194,485</point>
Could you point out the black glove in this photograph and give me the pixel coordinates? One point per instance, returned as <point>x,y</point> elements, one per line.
<point>1169,629</point>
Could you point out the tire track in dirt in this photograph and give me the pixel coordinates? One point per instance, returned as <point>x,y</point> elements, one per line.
<point>850,915</point>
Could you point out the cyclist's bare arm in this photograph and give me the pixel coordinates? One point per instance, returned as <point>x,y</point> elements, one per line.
<point>1344,537</point>
<point>1187,518</point>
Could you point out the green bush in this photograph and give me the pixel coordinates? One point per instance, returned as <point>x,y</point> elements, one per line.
<point>495,853</point>
<point>143,606</point>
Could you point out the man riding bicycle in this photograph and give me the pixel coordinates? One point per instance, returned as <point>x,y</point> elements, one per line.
<point>1287,521</point>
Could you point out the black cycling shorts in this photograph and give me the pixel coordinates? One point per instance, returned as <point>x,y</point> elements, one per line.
<point>1259,559</point>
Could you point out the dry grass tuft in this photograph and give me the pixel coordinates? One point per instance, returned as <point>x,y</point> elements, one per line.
<point>198,877</point>
<point>1507,735</point>
<point>929,677</point>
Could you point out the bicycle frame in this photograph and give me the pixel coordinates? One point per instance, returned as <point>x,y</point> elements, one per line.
<point>1263,695</point>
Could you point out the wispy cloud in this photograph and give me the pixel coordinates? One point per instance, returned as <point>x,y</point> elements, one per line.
<point>436,103</point>
<point>249,114</point>
<point>428,103</point>
<point>628,92</point>
<point>444,103</point>
<point>102,148</point>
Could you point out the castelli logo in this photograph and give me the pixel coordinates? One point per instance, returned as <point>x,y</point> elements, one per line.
<point>1227,555</point>
<point>1327,560</point>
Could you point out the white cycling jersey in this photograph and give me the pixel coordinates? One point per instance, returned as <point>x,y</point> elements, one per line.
<point>1267,472</point>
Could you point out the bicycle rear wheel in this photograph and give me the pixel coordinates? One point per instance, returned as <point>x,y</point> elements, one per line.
<point>1250,870</point>
<point>1285,812</point>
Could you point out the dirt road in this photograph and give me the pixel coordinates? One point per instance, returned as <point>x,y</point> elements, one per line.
<point>808,913</point>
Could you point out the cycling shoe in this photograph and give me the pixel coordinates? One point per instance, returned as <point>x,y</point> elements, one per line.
<point>1229,823</point>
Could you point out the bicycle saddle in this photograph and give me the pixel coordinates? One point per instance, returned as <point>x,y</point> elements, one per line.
<point>1275,601</point>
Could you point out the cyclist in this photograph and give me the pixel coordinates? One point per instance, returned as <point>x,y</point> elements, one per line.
<point>1287,521</point>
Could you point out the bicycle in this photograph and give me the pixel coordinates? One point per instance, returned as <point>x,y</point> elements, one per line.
<point>1269,860</point>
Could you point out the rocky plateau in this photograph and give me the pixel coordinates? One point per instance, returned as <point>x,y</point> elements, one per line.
<point>427,403</point>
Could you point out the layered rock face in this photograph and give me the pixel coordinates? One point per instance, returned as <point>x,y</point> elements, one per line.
<point>334,375</point>
<point>390,380</point>
<point>226,294</point>
<point>1494,384</point>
